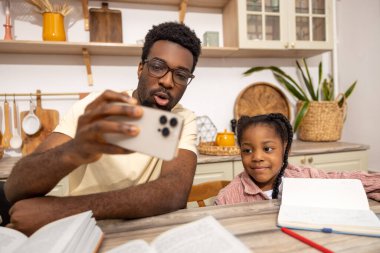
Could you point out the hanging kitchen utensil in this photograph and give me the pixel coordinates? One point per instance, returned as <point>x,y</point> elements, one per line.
<point>16,141</point>
<point>31,123</point>
<point>105,25</point>
<point>7,129</point>
<point>48,119</point>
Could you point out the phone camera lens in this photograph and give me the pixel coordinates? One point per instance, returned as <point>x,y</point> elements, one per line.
<point>163,120</point>
<point>173,122</point>
<point>165,132</point>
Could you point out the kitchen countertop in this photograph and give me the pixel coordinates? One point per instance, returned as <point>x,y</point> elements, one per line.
<point>298,148</point>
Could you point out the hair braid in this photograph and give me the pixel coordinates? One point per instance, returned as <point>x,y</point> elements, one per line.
<point>283,122</point>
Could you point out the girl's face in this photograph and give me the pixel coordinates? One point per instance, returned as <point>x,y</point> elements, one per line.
<point>262,154</point>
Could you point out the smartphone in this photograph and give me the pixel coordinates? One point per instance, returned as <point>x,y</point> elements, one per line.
<point>159,136</point>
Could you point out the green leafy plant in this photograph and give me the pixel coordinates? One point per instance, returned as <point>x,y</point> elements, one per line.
<point>304,91</point>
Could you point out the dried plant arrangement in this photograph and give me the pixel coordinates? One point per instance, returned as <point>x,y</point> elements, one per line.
<point>42,6</point>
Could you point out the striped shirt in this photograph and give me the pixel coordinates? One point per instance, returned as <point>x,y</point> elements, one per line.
<point>243,189</point>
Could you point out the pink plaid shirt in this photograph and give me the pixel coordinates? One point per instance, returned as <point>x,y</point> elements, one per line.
<point>243,189</point>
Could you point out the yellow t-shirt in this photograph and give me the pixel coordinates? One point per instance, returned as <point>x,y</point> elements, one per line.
<point>113,172</point>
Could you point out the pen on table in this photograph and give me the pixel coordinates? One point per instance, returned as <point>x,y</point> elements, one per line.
<point>305,240</point>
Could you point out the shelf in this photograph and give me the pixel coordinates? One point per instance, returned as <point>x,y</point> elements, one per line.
<point>121,49</point>
<point>191,3</point>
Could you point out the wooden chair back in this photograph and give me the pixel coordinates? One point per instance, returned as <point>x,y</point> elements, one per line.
<point>203,191</point>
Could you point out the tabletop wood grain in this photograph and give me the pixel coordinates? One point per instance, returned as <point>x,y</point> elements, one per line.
<point>253,223</point>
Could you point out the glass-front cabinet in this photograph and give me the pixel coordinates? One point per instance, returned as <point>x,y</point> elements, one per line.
<point>280,24</point>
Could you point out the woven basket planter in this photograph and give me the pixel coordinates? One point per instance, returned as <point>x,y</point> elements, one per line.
<point>322,122</point>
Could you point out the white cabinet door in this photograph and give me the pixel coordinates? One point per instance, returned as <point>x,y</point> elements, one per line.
<point>279,24</point>
<point>310,24</point>
<point>348,161</point>
<point>262,24</point>
<point>213,171</point>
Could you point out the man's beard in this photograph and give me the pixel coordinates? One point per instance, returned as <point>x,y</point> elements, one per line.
<point>146,96</point>
<point>150,101</point>
<point>154,105</point>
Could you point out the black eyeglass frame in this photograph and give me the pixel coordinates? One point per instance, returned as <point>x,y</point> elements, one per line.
<point>191,77</point>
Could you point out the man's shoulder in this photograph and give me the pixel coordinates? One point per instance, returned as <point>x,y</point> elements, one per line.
<point>184,112</point>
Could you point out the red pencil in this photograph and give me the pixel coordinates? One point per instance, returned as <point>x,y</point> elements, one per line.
<point>305,240</point>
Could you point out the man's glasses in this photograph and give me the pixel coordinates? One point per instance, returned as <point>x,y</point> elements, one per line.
<point>158,68</point>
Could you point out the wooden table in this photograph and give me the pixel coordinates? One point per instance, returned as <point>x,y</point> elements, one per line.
<point>254,224</point>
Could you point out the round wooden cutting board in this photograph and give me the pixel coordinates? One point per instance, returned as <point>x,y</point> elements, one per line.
<point>261,98</point>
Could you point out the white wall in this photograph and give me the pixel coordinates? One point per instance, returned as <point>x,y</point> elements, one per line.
<point>213,91</point>
<point>358,48</point>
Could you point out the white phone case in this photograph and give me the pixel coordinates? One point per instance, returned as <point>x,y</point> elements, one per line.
<point>159,135</point>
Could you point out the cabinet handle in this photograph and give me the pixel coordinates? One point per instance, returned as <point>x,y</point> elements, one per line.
<point>286,45</point>
<point>303,161</point>
<point>292,45</point>
<point>310,160</point>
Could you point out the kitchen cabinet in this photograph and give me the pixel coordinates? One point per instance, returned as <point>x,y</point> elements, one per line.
<point>279,24</point>
<point>348,161</point>
<point>339,161</point>
<point>213,171</point>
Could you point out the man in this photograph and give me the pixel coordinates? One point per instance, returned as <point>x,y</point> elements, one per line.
<point>109,180</point>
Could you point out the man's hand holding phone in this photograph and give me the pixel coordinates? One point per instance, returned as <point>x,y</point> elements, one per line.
<point>159,133</point>
<point>89,140</point>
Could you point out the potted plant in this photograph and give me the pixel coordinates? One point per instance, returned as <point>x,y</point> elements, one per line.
<point>320,114</point>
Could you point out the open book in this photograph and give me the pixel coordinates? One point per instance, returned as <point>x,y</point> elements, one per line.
<point>327,205</point>
<point>202,236</point>
<point>75,234</point>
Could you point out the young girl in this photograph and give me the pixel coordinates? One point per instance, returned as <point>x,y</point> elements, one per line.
<point>265,142</point>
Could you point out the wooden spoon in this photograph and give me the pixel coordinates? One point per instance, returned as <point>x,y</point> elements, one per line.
<point>7,130</point>
<point>16,141</point>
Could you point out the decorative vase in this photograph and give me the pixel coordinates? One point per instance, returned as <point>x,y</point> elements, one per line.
<point>53,27</point>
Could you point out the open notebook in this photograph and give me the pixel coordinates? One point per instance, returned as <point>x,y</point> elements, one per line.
<point>327,205</point>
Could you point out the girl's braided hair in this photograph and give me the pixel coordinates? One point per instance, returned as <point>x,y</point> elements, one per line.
<point>281,126</point>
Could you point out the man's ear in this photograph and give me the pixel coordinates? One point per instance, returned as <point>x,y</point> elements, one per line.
<point>140,69</point>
